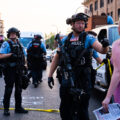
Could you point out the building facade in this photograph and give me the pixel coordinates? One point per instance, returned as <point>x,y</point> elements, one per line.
<point>1,26</point>
<point>110,7</point>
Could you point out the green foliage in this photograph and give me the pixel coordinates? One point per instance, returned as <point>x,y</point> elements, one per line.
<point>6,39</point>
<point>50,41</point>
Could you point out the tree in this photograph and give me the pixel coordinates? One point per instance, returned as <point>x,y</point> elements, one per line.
<point>50,41</point>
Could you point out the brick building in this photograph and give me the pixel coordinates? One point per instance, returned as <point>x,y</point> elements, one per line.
<point>110,7</point>
<point>1,26</point>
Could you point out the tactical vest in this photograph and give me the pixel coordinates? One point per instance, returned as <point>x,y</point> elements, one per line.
<point>16,49</point>
<point>80,56</point>
<point>81,59</point>
<point>35,53</point>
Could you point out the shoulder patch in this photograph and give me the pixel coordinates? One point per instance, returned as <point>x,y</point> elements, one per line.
<point>91,36</point>
<point>4,45</point>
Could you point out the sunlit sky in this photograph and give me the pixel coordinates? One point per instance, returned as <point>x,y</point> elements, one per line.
<point>38,15</point>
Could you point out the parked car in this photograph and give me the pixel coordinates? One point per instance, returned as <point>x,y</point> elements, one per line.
<point>102,79</point>
<point>53,54</point>
<point>48,55</point>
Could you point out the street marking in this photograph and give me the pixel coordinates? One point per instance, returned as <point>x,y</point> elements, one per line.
<point>35,109</point>
<point>26,100</point>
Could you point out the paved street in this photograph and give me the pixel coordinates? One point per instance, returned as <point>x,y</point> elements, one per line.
<point>43,98</point>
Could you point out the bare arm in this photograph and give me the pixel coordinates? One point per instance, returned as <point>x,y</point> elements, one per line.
<point>54,65</point>
<point>2,56</point>
<point>113,85</point>
<point>99,48</point>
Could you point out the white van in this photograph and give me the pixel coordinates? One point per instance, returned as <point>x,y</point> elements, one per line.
<point>111,33</point>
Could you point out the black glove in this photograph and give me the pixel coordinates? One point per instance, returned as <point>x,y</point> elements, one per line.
<point>50,82</point>
<point>105,42</point>
<point>105,61</point>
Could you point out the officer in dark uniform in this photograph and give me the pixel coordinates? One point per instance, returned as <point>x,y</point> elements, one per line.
<point>13,55</point>
<point>75,43</point>
<point>1,66</point>
<point>35,56</point>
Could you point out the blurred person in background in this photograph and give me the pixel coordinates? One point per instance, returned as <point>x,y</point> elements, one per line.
<point>36,52</point>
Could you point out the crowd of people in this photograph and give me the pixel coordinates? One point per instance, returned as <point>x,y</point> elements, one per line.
<point>73,58</point>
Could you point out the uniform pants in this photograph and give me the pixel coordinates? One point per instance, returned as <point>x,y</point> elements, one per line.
<point>36,75</point>
<point>11,78</point>
<point>67,106</point>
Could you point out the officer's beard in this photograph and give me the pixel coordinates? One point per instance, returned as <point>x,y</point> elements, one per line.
<point>13,38</point>
<point>76,31</point>
<point>38,39</point>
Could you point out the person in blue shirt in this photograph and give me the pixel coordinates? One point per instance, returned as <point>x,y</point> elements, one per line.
<point>36,52</point>
<point>76,43</point>
<point>93,71</point>
<point>12,53</point>
<point>109,19</point>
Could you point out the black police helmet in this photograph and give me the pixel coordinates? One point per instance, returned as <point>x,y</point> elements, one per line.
<point>68,21</point>
<point>13,30</point>
<point>80,16</point>
<point>37,36</point>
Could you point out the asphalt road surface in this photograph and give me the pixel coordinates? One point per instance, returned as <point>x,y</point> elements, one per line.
<point>43,97</point>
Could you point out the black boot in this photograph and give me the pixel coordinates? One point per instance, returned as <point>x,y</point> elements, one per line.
<point>39,81</point>
<point>6,112</point>
<point>35,85</point>
<point>20,110</point>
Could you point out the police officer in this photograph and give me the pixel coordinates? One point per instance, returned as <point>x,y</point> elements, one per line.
<point>75,43</point>
<point>35,56</point>
<point>12,53</point>
<point>109,19</point>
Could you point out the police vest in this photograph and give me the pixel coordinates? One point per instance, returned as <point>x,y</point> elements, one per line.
<point>35,53</point>
<point>16,49</point>
<point>81,59</point>
<point>80,56</point>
